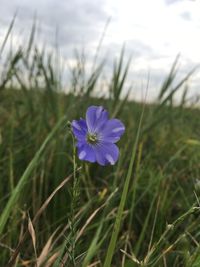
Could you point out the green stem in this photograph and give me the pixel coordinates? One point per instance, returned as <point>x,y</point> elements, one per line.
<point>73,204</point>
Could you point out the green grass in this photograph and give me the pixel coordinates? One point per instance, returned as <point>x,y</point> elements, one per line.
<point>141,212</point>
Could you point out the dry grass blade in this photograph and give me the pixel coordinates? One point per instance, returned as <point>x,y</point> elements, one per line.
<point>88,221</point>
<point>95,264</point>
<point>52,259</point>
<point>67,226</point>
<point>40,211</point>
<point>45,250</point>
<point>33,236</point>
<point>131,257</point>
<point>6,246</point>
<point>46,203</point>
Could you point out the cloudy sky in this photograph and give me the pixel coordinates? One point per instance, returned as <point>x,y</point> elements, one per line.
<point>153,32</point>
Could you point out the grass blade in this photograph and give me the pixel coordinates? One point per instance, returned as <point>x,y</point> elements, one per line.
<point>18,189</point>
<point>118,220</point>
<point>7,34</point>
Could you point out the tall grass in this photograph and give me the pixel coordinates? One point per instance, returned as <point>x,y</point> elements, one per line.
<point>144,211</point>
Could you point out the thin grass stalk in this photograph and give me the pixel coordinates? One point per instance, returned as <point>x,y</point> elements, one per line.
<point>118,220</point>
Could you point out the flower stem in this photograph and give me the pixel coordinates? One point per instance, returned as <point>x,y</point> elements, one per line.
<point>75,194</point>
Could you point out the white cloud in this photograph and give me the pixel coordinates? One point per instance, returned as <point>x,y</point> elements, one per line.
<point>154,31</point>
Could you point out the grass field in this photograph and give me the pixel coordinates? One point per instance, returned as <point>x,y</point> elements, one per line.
<point>144,211</point>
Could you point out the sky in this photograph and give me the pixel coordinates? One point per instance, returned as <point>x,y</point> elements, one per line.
<point>153,33</point>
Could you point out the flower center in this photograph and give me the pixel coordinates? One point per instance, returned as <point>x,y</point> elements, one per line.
<point>92,138</point>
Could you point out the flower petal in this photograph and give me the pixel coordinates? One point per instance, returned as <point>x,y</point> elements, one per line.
<point>79,129</point>
<point>86,152</point>
<point>106,153</point>
<point>96,117</point>
<point>112,130</point>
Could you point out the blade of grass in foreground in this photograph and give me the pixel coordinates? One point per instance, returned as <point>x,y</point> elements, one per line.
<point>35,219</point>
<point>24,178</point>
<point>118,219</point>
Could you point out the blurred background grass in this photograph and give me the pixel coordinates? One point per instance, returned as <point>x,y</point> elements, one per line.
<point>160,226</point>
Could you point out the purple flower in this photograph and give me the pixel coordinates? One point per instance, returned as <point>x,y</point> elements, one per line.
<point>96,136</point>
